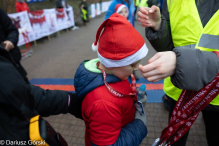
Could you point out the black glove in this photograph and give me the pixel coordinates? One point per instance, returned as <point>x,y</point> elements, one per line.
<point>75,105</point>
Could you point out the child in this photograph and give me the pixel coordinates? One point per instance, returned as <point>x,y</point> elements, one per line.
<point>103,81</point>
<point>122,9</point>
<point>128,3</point>
<point>84,13</point>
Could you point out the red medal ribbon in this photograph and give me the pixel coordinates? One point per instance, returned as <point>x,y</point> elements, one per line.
<point>116,93</point>
<point>187,109</point>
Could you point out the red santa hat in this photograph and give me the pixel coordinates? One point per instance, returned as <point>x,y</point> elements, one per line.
<point>118,43</point>
<point>119,7</point>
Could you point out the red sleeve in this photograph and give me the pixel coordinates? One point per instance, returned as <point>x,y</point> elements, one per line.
<point>17,7</point>
<point>104,123</point>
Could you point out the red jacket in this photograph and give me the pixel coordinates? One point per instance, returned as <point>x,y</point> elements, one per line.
<point>105,115</point>
<point>20,7</point>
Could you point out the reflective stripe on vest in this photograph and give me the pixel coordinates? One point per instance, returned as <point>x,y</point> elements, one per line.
<point>209,41</point>
<point>143,3</point>
<point>187,30</point>
<point>84,14</point>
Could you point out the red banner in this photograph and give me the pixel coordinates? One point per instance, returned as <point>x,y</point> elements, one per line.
<point>37,17</point>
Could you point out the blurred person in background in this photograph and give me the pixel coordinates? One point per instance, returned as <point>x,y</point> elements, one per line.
<point>9,39</point>
<point>83,14</point>
<point>128,3</point>
<point>122,10</point>
<point>61,4</point>
<point>84,11</point>
<point>21,6</point>
<point>189,59</point>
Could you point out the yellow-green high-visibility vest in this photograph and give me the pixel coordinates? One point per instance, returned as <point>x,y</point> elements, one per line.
<point>187,31</point>
<point>143,3</point>
<point>84,14</point>
<point>136,2</point>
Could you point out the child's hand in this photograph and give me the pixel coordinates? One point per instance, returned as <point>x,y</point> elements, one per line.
<point>141,117</point>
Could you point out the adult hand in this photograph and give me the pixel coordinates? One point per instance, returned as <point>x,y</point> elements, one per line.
<point>160,66</point>
<point>150,17</point>
<point>8,45</point>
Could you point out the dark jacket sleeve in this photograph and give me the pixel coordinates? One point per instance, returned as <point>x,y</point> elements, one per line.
<point>161,40</point>
<point>11,32</point>
<point>49,102</point>
<point>131,135</point>
<point>194,68</point>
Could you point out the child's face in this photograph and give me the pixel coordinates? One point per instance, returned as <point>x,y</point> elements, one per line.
<point>124,12</point>
<point>124,72</point>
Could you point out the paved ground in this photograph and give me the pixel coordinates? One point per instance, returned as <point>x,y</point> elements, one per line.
<point>60,57</point>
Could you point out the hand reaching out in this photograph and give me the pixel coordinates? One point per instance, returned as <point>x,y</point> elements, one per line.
<point>160,66</point>
<point>150,17</point>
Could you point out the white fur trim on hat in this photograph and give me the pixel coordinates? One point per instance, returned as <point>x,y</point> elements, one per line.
<point>94,47</point>
<point>141,53</point>
<point>121,7</point>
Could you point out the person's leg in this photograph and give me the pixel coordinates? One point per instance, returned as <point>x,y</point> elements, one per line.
<point>88,20</point>
<point>84,21</point>
<point>182,140</point>
<point>211,120</point>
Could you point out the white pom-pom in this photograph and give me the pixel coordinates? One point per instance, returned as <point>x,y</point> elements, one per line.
<point>94,47</point>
